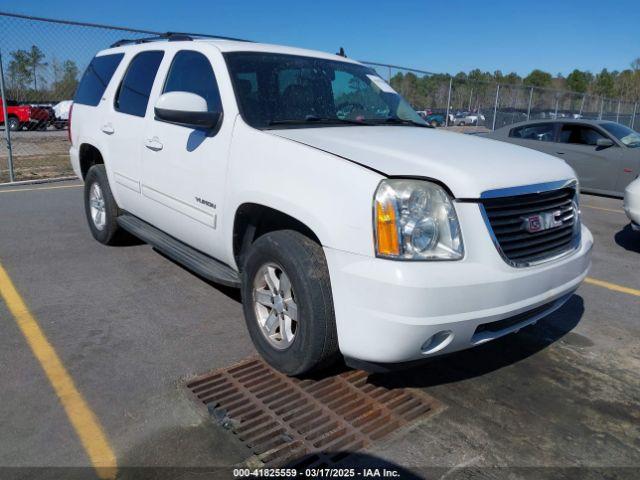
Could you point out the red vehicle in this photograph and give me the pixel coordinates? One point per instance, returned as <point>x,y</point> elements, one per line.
<point>18,115</point>
<point>41,117</point>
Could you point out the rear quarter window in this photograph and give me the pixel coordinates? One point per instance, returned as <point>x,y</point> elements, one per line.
<point>543,132</point>
<point>96,78</point>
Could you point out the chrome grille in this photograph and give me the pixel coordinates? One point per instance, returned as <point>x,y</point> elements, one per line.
<point>521,245</point>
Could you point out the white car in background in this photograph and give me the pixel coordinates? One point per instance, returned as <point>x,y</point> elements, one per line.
<point>467,118</point>
<point>61,111</point>
<point>473,118</point>
<point>632,203</point>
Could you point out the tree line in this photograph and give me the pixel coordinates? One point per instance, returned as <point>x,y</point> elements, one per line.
<point>30,77</point>
<point>477,89</point>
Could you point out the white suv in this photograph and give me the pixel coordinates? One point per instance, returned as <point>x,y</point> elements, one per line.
<point>303,178</point>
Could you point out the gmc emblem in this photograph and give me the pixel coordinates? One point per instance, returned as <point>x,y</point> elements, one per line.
<point>542,221</point>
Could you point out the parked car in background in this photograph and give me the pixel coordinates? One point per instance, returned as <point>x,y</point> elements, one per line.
<point>435,119</point>
<point>472,118</point>
<point>18,115</point>
<point>632,203</point>
<point>467,118</point>
<point>61,111</point>
<point>42,115</point>
<point>459,119</point>
<point>604,154</point>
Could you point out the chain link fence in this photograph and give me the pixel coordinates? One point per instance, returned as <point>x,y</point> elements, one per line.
<point>474,105</point>
<point>42,61</point>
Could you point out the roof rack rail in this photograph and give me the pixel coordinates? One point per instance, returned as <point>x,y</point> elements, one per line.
<point>171,37</point>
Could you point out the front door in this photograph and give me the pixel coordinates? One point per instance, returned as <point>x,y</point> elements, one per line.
<point>597,167</point>
<point>184,168</point>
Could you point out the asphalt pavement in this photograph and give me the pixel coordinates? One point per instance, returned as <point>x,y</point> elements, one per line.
<point>130,327</point>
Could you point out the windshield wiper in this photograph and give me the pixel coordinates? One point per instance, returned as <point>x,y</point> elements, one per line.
<point>317,120</point>
<point>402,121</point>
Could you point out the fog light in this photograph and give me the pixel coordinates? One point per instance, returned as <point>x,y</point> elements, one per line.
<point>437,342</point>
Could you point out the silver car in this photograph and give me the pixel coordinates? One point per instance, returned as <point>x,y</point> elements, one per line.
<point>605,155</point>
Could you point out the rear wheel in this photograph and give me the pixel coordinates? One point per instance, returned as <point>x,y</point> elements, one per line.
<point>287,302</point>
<point>101,208</point>
<point>14,124</point>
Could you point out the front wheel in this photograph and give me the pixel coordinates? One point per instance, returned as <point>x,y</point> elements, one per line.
<point>287,302</point>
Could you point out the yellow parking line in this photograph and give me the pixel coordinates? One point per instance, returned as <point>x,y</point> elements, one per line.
<point>612,286</point>
<point>78,411</point>
<point>43,188</point>
<point>614,210</point>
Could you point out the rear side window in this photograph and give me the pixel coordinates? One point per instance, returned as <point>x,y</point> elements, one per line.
<point>542,132</point>
<point>191,72</point>
<point>134,91</point>
<point>96,78</point>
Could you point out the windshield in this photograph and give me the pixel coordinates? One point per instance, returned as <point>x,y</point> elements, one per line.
<point>629,137</point>
<point>276,90</point>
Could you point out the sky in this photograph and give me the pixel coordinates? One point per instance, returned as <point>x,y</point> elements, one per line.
<point>437,36</point>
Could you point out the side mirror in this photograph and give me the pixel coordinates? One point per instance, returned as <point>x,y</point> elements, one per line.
<point>186,109</point>
<point>604,142</point>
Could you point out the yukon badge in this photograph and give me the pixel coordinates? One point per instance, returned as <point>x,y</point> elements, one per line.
<point>542,221</point>
<point>206,203</point>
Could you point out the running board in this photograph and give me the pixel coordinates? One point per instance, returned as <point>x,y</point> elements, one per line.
<point>196,261</point>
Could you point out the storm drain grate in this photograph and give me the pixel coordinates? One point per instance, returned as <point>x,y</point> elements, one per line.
<point>306,423</point>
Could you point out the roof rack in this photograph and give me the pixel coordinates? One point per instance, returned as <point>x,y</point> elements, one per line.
<point>172,37</point>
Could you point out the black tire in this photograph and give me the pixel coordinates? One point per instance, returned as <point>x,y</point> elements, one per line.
<point>110,233</point>
<point>434,124</point>
<point>14,124</point>
<point>315,344</point>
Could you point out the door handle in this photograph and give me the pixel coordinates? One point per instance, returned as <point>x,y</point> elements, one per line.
<point>153,144</point>
<point>560,153</point>
<point>108,129</point>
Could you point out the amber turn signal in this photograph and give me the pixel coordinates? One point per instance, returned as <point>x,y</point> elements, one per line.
<point>387,229</point>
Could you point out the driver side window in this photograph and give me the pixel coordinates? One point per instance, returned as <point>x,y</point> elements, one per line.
<point>580,135</point>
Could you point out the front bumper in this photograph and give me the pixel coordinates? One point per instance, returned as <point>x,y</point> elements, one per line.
<point>631,207</point>
<point>389,311</point>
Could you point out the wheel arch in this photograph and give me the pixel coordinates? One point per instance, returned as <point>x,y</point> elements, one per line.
<point>252,220</point>
<point>89,156</point>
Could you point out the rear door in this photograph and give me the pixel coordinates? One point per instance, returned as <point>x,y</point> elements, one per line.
<point>91,104</point>
<point>124,127</point>
<point>597,167</point>
<point>184,169</point>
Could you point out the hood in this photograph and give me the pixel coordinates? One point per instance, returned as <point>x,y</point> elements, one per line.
<point>467,164</point>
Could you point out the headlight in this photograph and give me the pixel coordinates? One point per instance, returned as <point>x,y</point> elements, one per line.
<point>415,220</point>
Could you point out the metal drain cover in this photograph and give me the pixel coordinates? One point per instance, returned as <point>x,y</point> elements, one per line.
<point>314,423</point>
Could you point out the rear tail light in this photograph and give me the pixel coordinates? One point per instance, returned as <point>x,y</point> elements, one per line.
<point>69,124</point>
